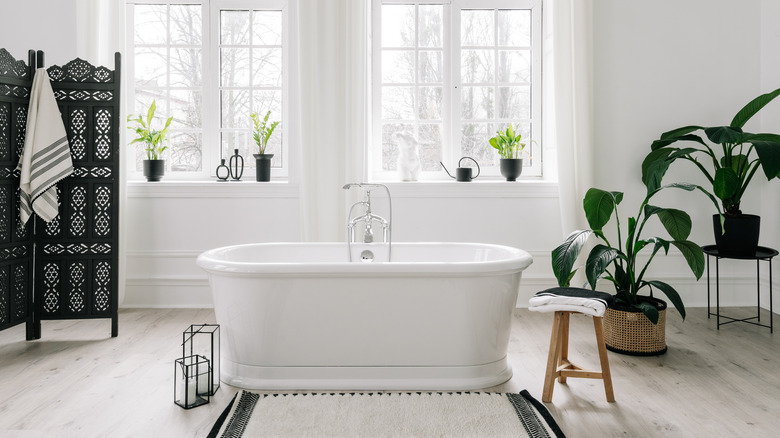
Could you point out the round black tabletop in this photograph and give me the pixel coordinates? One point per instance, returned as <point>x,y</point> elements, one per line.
<point>762,253</point>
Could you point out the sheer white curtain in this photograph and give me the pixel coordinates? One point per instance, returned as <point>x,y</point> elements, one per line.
<point>572,124</point>
<point>332,38</point>
<point>101,33</point>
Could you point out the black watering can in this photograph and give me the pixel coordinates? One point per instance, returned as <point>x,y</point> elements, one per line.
<point>462,173</point>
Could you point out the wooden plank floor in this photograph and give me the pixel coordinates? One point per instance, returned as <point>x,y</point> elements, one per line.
<point>77,381</point>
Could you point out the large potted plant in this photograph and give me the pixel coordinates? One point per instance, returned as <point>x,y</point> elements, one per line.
<point>262,133</point>
<point>510,148</point>
<point>729,165</point>
<point>154,164</point>
<point>635,325</point>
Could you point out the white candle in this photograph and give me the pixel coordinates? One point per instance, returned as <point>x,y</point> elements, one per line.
<point>204,383</point>
<point>186,390</point>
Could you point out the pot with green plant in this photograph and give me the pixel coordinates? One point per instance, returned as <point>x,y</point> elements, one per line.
<point>154,164</point>
<point>730,158</point>
<point>510,149</point>
<point>262,133</point>
<point>635,325</point>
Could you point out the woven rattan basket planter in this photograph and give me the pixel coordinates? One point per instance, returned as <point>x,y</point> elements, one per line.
<point>628,331</point>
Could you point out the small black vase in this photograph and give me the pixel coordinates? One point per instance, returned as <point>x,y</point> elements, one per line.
<point>154,170</point>
<point>511,168</point>
<point>263,167</point>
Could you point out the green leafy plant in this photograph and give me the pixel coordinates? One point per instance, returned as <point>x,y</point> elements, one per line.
<point>621,264</point>
<point>262,131</point>
<point>152,138</point>
<point>730,167</point>
<point>508,143</point>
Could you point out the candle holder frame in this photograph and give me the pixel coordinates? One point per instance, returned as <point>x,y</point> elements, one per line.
<point>204,339</point>
<point>189,374</point>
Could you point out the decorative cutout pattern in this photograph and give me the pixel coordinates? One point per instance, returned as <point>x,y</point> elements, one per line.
<point>21,230</point>
<point>80,70</point>
<point>5,311</point>
<point>102,286</point>
<point>10,67</point>
<point>84,95</point>
<point>77,249</point>
<point>5,126</point>
<point>51,286</point>
<point>92,172</point>
<point>78,127</point>
<point>5,226</point>
<point>103,130</point>
<point>102,204</point>
<point>13,253</point>
<point>21,120</point>
<point>78,220</point>
<point>14,91</point>
<point>77,294</point>
<point>20,291</point>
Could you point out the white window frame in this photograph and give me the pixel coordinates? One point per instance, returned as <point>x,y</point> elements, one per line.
<point>211,129</point>
<point>451,134</point>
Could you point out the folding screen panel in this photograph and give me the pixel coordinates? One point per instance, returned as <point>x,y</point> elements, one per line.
<point>77,254</point>
<point>16,241</point>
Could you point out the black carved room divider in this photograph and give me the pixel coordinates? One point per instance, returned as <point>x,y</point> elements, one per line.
<point>75,257</point>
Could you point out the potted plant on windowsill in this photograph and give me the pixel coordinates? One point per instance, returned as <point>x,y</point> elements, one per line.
<point>154,164</point>
<point>635,325</point>
<point>510,149</point>
<point>262,133</point>
<point>729,167</point>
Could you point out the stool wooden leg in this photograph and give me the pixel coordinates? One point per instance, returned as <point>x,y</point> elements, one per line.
<point>552,358</point>
<point>563,357</point>
<point>605,373</point>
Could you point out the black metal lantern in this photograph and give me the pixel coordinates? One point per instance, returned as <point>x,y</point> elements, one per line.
<point>191,381</point>
<point>203,340</point>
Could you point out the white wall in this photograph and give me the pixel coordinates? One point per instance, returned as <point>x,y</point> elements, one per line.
<point>658,65</point>
<point>40,25</point>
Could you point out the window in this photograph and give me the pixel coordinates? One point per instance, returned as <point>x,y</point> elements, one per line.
<point>451,74</point>
<point>210,64</point>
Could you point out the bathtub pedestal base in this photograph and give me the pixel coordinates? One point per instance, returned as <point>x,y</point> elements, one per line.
<point>437,378</point>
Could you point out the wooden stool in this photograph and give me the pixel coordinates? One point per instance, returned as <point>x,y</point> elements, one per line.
<point>563,302</point>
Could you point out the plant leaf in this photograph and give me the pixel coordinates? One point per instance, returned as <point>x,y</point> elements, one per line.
<point>693,254</point>
<point>769,154</point>
<point>599,205</point>
<point>667,141</point>
<point>677,222</point>
<point>679,132</point>
<point>564,256</point>
<point>724,134</point>
<point>599,259</point>
<point>649,310</point>
<point>670,293</point>
<point>726,182</point>
<point>752,108</point>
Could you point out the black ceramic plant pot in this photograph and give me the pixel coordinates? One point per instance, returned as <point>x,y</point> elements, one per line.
<point>263,167</point>
<point>154,170</point>
<point>741,235</point>
<point>511,168</point>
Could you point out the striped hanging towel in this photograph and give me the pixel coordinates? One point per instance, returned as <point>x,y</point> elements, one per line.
<point>46,156</point>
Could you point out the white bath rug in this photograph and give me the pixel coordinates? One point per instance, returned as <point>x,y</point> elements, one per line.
<point>475,414</point>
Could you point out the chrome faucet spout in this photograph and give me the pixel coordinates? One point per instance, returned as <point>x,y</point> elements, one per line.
<point>368,218</point>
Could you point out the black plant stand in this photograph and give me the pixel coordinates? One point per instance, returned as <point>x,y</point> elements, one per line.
<point>762,253</point>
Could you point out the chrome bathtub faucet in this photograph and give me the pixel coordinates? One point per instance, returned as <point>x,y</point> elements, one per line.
<point>368,218</point>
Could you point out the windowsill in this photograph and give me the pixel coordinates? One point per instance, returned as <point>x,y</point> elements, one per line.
<point>211,189</point>
<point>283,189</point>
<point>528,188</point>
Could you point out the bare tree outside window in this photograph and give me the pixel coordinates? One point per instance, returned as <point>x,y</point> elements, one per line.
<point>452,101</point>
<point>251,80</point>
<point>168,69</point>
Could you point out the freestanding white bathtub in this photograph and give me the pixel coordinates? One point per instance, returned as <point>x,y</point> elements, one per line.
<point>299,316</point>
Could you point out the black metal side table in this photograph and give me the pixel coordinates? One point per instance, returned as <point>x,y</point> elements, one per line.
<point>762,253</point>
